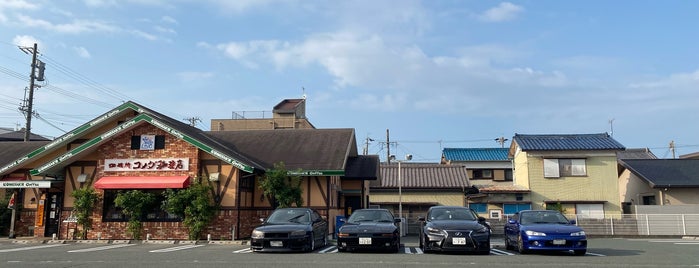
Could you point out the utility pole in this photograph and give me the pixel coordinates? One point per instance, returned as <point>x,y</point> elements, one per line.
<point>193,121</point>
<point>672,148</point>
<point>501,141</point>
<point>366,145</point>
<point>30,99</point>
<point>388,148</point>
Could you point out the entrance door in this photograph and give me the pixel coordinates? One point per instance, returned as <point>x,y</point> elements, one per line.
<point>52,215</point>
<point>352,203</point>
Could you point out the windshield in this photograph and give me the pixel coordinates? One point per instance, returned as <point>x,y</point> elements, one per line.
<point>370,216</point>
<point>286,216</point>
<point>452,214</point>
<point>543,217</point>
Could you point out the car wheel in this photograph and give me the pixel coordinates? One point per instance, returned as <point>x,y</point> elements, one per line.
<point>312,246</point>
<point>423,244</point>
<point>508,244</point>
<point>580,252</point>
<point>520,246</point>
<point>325,240</point>
<point>397,248</point>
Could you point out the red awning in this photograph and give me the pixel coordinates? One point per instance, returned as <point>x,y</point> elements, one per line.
<point>146,182</point>
<point>13,179</point>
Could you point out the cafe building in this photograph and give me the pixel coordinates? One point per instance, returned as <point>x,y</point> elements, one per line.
<point>133,147</point>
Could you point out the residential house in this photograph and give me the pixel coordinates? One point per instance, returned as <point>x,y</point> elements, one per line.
<point>576,173</point>
<point>411,188</point>
<point>657,183</point>
<point>490,173</point>
<point>132,147</point>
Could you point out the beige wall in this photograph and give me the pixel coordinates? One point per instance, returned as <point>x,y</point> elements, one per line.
<point>600,184</point>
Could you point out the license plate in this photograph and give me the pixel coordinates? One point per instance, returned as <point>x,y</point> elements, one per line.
<point>276,244</point>
<point>365,240</point>
<point>559,241</point>
<point>458,240</point>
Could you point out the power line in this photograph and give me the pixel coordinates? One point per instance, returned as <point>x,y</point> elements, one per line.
<point>85,80</point>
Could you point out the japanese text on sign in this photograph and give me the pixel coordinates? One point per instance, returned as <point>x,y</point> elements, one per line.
<point>165,164</point>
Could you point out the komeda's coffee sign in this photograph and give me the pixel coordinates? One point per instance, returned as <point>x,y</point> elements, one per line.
<point>25,184</point>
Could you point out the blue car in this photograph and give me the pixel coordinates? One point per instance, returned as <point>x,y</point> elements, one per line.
<point>544,230</point>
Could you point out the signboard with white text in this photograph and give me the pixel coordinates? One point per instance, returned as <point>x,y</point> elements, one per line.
<point>25,184</point>
<point>147,164</point>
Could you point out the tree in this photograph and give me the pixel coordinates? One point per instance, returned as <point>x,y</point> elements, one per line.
<point>135,204</point>
<point>281,189</point>
<point>85,200</point>
<point>194,205</point>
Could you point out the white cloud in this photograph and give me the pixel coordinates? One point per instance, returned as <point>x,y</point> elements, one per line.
<point>17,4</point>
<point>239,6</point>
<point>82,52</point>
<point>505,11</point>
<point>168,19</point>
<point>25,41</point>
<point>165,30</point>
<point>75,27</point>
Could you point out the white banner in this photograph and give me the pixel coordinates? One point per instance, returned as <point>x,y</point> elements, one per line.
<point>25,184</point>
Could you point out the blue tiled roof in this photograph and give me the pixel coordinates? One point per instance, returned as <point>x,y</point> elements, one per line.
<point>475,154</point>
<point>565,142</point>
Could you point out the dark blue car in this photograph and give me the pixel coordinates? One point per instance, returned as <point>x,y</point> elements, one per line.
<point>544,230</point>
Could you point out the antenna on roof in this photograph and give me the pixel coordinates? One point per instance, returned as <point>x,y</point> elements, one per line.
<point>501,141</point>
<point>304,92</point>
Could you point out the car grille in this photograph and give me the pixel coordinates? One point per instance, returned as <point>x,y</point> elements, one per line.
<point>276,235</point>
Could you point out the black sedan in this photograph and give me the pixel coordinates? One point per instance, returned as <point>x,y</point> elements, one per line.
<point>454,229</point>
<point>290,229</point>
<point>373,229</point>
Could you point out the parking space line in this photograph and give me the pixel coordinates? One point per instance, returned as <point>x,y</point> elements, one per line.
<point>176,248</point>
<point>595,254</point>
<point>329,249</point>
<point>407,250</point>
<point>245,250</point>
<point>687,243</point>
<point>418,251</point>
<point>33,247</point>
<point>500,252</point>
<point>101,248</point>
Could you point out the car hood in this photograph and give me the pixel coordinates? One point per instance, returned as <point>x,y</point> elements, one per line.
<point>282,227</point>
<point>552,228</point>
<point>455,224</point>
<point>368,227</point>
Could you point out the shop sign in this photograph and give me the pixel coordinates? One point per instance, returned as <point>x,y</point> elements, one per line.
<point>25,184</point>
<point>148,164</point>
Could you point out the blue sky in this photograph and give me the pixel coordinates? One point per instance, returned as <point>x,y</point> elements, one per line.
<point>437,74</point>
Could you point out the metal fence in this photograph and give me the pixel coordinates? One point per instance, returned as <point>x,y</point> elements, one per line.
<point>610,225</point>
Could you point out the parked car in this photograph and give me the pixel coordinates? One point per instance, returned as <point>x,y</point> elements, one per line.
<point>544,230</point>
<point>454,228</point>
<point>374,229</point>
<point>290,229</point>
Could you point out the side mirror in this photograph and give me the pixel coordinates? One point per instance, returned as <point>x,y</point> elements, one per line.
<point>481,219</point>
<point>343,220</point>
<point>421,218</point>
<point>572,222</point>
<point>395,220</point>
<point>262,219</point>
<point>511,221</point>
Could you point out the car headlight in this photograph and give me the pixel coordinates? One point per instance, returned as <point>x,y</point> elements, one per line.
<point>581,233</point>
<point>534,233</point>
<point>435,231</point>
<point>298,233</point>
<point>257,234</point>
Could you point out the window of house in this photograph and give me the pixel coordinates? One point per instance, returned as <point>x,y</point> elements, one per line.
<point>590,211</point>
<point>111,213</point>
<point>564,167</point>
<point>649,200</point>
<point>514,208</point>
<point>479,207</point>
<point>482,174</point>
<point>508,175</point>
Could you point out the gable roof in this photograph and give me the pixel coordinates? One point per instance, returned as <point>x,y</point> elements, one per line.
<point>475,154</point>
<point>323,151</point>
<point>422,176</point>
<point>11,149</point>
<point>566,142</point>
<point>665,173</point>
<point>19,136</point>
<point>636,153</point>
<point>141,115</point>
